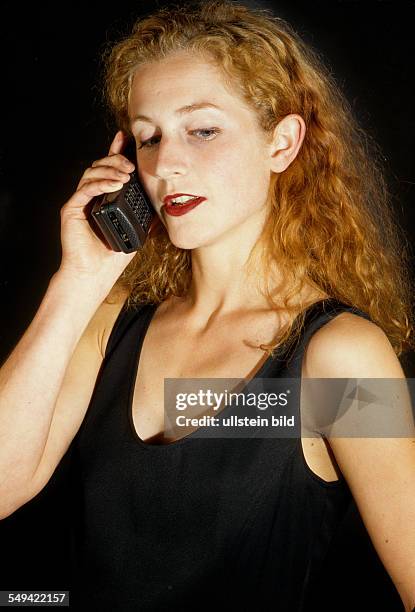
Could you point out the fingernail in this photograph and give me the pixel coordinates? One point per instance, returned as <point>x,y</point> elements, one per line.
<point>116,185</point>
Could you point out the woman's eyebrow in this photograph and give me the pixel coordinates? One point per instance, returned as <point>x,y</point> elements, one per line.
<point>189,108</point>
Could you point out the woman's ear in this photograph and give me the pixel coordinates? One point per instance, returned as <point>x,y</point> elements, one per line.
<point>287,139</point>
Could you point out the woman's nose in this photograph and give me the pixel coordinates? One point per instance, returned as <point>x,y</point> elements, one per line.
<point>171,159</point>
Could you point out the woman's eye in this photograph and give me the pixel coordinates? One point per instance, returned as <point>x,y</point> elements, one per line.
<point>149,142</point>
<point>206,134</point>
<point>208,131</point>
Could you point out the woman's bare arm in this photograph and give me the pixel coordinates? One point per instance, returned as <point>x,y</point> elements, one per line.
<point>380,471</point>
<point>46,385</point>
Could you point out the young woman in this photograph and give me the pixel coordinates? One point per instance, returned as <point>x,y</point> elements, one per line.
<point>287,264</point>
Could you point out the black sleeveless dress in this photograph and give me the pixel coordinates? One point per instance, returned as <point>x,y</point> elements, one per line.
<point>197,524</point>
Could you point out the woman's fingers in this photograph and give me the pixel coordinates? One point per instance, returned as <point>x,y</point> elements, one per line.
<point>88,190</point>
<point>117,144</point>
<point>98,187</point>
<point>104,175</point>
<point>116,160</point>
<point>104,172</point>
<point>114,157</point>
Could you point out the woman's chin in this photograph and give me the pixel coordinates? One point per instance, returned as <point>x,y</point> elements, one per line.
<point>189,240</point>
<point>187,245</point>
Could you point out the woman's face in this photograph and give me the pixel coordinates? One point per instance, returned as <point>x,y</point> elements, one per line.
<point>216,152</point>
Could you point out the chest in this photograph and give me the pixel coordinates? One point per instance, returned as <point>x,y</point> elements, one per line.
<point>222,352</point>
<point>169,350</point>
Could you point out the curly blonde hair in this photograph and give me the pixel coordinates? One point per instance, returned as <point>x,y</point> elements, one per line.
<point>330,221</point>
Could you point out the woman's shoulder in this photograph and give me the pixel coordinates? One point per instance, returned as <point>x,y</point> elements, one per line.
<point>350,346</point>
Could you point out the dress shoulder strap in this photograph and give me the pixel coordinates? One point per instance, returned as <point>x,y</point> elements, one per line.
<point>126,317</point>
<point>316,316</point>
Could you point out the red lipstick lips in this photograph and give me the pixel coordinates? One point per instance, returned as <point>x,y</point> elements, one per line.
<point>176,210</point>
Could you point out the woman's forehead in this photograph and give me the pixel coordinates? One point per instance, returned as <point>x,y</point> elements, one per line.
<point>176,67</point>
<point>182,80</point>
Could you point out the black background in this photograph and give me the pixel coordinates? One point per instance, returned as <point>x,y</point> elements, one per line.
<point>54,126</point>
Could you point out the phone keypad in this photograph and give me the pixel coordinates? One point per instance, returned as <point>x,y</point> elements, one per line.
<point>134,198</point>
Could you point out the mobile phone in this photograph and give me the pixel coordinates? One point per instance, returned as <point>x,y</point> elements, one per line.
<point>124,218</point>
